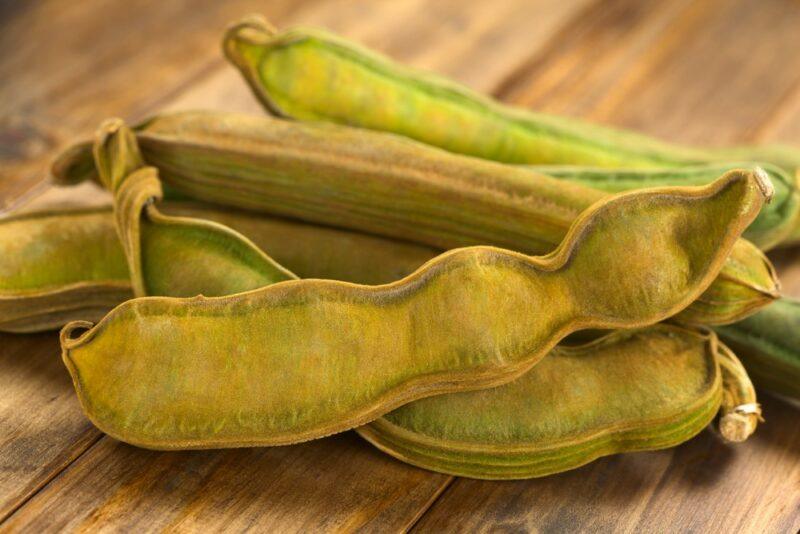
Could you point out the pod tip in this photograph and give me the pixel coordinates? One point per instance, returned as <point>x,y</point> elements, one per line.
<point>67,337</point>
<point>253,28</point>
<point>764,184</point>
<point>738,424</point>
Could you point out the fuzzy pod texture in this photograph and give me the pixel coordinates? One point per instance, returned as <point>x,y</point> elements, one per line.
<point>769,345</point>
<point>387,185</point>
<point>631,390</point>
<point>310,74</point>
<point>174,373</point>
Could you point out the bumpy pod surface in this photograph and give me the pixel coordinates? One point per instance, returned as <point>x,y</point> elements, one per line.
<point>312,75</point>
<point>197,373</point>
<point>387,185</point>
<point>628,391</point>
<point>769,345</point>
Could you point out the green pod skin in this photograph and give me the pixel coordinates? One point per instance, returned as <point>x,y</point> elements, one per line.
<point>70,266</point>
<point>386,185</point>
<point>59,265</point>
<point>39,294</point>
<point>309,74</point>
<point>769,346</point>
<point>174,373</point>
<point>629,391</point>
<point>773,225</point>
<point>312,75</point>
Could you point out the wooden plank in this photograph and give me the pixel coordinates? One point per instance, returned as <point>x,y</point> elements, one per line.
<point>338,483</point>
<point>701,486</point>
<point>288,488</point>
<point>42,428</point>
<point>586,60</point>
<point>709,72</point>
<point>68,66</point>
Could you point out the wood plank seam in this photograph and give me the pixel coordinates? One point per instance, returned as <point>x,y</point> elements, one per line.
<point>431,502</point>
<point>51,476</point>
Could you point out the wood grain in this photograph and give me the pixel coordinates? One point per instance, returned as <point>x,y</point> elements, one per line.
<point>703,485</point>
<point>337,483</point>
<point>42,428</point>
<point>74,65</point>
<point>705,72</point>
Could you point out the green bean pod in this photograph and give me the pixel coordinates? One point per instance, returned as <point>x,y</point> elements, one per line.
<point>177,373</point>
<point>386,185</point>
<point>629,391</point>
<point>309,74</point>
<point>769,346</point>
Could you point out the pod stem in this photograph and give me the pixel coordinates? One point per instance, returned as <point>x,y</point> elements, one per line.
<point>740,412</point>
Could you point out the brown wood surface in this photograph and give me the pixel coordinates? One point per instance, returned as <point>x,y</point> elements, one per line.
<point>712,72</point>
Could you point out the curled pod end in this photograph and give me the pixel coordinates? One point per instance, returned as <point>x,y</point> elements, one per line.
<point>740,412</point>
<point>244,44</point>
<point>67,335</point>
<point>253,26</point>
<point>738,424</point>
<point>251,31</point>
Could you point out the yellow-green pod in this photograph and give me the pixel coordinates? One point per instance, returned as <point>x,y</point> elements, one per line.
<point>313,75</point>
<point>628,391</point>
<point>302,359</point>
<point>173,256</point>
<point>739,291</point>
<point>57,267</point>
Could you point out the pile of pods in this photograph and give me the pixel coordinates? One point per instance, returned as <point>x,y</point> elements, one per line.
<point>475,289</point>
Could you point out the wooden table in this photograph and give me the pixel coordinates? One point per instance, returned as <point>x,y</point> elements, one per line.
<point>712,72</point>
